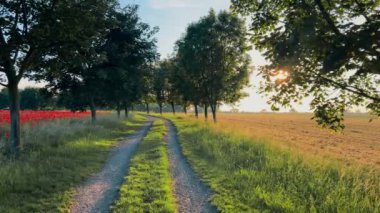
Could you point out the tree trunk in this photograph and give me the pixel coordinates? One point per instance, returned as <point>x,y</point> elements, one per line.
<point>93,110</point>
<point>126,110</point>
<point>206,111</point>
<point>173,108</point>
<point>196,110</point>
<point>160,105</point>
<point>185,109</point>
<point>147,108</point>
<point>15,118</point>
<point>213,109</point>
<point>132,109</point>
<point>118,110</point>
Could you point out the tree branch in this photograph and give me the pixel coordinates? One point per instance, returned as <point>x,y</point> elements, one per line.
<point>24,17</point>
<point>2,38</point>
<point>327,17</point>
<point>16,20</point>
<point>362,10</point>
<point>26,63</point>
<point>352,89</point>
<point>4,85</point>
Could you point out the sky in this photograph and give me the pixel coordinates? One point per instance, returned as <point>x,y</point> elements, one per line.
<point>172,17</point>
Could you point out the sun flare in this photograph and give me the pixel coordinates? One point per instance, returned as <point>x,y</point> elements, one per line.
<point>280,75</point>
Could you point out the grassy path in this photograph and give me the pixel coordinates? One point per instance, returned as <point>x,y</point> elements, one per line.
<point>98,192</point>
<point>148,185</point>
<point>191,194</point>
<point>161,179</point>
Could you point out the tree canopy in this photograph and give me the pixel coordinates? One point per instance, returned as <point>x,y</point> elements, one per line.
<point>329,50</point>
<point>214,60</point>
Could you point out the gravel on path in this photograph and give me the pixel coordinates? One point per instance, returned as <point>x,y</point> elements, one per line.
<point>99,191</point>
<point>191,194</point>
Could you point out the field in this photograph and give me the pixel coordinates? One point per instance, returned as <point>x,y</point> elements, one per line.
<point>256,174</point>
<point>358,143</point>
<point>35,116</point>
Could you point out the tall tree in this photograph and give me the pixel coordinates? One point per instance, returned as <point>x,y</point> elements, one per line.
<point>214,54</point>
<point>172,86</point>
<point>84,70</point>
<point>130,49</point>
<point>190,73</point>
<point>33,32</point>
<point>160,83</point>
<point>329,50</point>
<point>147,90</point>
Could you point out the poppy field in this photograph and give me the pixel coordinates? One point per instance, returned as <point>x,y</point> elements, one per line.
<point>35,116</point>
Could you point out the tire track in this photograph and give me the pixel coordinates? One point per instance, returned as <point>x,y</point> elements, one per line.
<point>99,191</point>
<point>191,194</point>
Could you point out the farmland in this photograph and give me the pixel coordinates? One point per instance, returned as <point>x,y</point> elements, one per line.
<point>358,143</point>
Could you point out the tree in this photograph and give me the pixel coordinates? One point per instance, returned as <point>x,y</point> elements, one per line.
<point>190,73</point>
<point>329,49</point>
<point>130,49</point>
<point>88,71</point>
<point>172,86</point>
<point>35,32</point>
<point>214,54</point>
<point>160,84</point>
<point>147,89</point>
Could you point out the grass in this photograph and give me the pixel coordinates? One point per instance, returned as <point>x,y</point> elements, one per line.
<point>147,187</point>
<point>56,156</point>
<point>246,175</point>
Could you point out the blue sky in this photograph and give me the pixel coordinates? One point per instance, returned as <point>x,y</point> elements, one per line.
<point>172,17</point>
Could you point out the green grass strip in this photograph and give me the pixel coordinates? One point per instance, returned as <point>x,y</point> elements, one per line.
<point>148,185</point>
<point>56,157</point>
<point>247,176</point>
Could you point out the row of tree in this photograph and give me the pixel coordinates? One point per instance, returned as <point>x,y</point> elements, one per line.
<point>210,65</point>
<point>91,53</point>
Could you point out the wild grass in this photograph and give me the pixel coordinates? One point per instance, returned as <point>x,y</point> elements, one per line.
<point>55,157</point>
<point>147,187</point>
<point>245,175</point>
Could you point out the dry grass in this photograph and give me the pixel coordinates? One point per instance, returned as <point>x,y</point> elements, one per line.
<point>359,143</point>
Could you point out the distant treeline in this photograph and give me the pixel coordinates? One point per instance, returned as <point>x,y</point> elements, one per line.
<point>31,99</point>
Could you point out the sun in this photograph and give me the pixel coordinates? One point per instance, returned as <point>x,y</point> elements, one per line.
<point>280,75</point>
